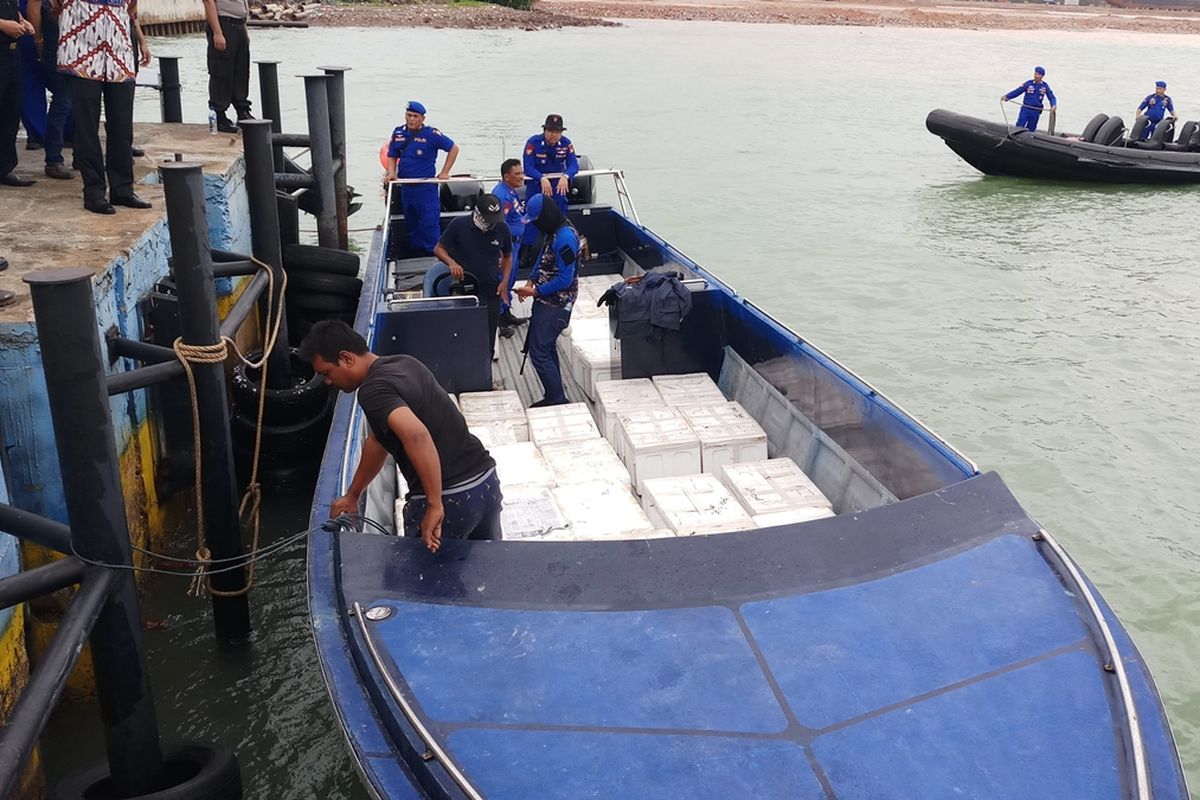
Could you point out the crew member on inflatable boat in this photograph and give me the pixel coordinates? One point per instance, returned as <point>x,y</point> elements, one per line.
<point>412,153</point>
<point>554,286</point>
<point>512,176</point>
<point>1033,93</point>
<point>1156,106</point>
<point>454,492</point>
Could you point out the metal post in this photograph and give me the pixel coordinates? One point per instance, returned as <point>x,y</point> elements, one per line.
<point>337,132</point>
<point>168,88</point>
<point>69,338</point>
<point>264,236</point>
<point>317,98</point>
<point>183,186</point>
<point>268,86</point>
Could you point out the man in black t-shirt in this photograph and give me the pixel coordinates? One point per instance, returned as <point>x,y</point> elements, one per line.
<point>453,488</point>
<point>480,244</point>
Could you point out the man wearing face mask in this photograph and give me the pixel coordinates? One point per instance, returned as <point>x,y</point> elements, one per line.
<point>481,245</point>
<point>553,286</point>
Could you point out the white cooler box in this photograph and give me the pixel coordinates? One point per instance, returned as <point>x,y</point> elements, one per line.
<point>615,396</point>
<point>531,513</point>
<point>727,433</point>
<point>656,443</point>
<point>497,433</point>
<point>689,389</point>
<point>602,510</point>
<point>592,362</point>
<point>694,504</point>
<point>775,492</point>
<point>566,423</point>
<point>584,460</point>
<point>481,409</point>
<point>521,464</point>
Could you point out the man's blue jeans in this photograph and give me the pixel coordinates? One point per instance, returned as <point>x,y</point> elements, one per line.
<point>472,510</point>
<point>545,324</point>
<point>57,115</point>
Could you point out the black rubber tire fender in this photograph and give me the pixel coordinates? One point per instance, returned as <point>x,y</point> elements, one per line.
<point>1089,130</point>
<point>296,439</point>
<point>1139,127</point>
<point>302,401</point>
<point>1110,132</point>
<point>1165,132</point>
<point>199,771</point>
<point>311,258</point>
<point>333,303</point>
<point>325,283</point>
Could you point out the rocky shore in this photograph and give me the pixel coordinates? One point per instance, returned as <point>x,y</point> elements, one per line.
<point>552,14</point>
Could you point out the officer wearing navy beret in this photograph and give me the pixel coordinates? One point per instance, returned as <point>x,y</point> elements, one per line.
<point>412,153</point>
<point>1156,107</point>
<point>1033,93</point>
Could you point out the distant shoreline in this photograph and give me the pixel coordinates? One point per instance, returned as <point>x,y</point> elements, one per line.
<point>553,14</point>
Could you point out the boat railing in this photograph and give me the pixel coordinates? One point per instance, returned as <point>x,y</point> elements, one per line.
<point>624,199</point>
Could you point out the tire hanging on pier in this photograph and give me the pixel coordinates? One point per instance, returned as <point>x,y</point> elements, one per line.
<point>197,770</point>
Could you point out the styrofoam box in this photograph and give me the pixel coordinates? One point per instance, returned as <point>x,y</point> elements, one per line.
<point>776,486</point>
<point>694,504</point>
<point>584,460</point>
<point>495,432</point>
<point>792,517</point>
<point>503,404</point>
<point>582,328</point>
<point>656,443</point>
<point>532,513</point>
<point>688,389</point>
<point>592,363</point>
<point>521,309</point>
<point>615,396</point>
<point>728,434</point>
<point>601,510</point>
<point>454,400</point>
<point>521,464</point>
<point>566,423</point>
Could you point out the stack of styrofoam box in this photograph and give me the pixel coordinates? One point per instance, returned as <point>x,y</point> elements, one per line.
<point>495,409</point>
<point>584,460</point>
<point>521,464</point>
<point>694,504</point>
<point>613,397</point>
<point>530,512</point>
<point>775,492</point>
<point>495,434</point>
<point>656,442</point>
<point>727,433</point>
<point>602,510</point>
<point>592,362</point>
<point>566,423</point>
<point>688,389</point>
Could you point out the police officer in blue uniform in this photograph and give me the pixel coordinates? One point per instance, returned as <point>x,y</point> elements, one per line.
<point>12,27</point>
<point>412,153</point>
<point>508,190</point>
<point>1156,106</point>
<point>1033,93</point>
<point>547,153</point>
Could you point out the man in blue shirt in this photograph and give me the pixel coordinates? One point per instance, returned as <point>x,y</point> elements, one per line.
<point>1156,106</point>
<point>553,286</point>
<point>481,245</point>
<point>1032,92</point>
<point>550,153</point>
<point>412,153</point>
<point>508,191</point>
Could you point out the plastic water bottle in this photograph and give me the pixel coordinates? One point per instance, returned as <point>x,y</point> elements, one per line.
<point>212,121</point>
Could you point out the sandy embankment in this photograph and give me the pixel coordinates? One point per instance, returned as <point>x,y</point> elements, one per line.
<point>917,13</point>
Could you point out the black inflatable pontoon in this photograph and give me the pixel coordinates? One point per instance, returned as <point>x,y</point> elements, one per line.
<point>998,149</point>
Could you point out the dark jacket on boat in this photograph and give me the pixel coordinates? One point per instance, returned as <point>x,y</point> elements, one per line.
<point>658,302</point>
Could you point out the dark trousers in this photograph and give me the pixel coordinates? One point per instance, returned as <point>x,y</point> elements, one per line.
<point>1028,118</point>
<point>10,107</point>
<point>545,324</point>
<point>57,115</point>
<point>117,161</point>
<point>471,513</point>
<point>422,210</point>
<point>229,69</point>
<point>488,298</point>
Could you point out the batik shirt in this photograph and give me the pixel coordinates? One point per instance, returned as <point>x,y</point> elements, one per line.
<point>94,40</point>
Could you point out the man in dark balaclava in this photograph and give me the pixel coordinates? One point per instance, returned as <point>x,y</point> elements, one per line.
<point>553,287</point>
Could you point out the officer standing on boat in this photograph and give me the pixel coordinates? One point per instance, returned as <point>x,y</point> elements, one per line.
<point>508,192</point>
<point>412,153</point>
<point>1033,93</point>
<point>1156,106</point>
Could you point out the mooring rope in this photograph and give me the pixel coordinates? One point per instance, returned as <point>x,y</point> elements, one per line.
<point>217,353</point>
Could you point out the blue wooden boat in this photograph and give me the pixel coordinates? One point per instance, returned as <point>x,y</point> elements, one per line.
<point>930,640</point>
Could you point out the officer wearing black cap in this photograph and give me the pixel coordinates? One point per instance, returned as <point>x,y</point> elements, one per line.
<point>477,248</point>
<point>547,153</point>
<point>12,27</point>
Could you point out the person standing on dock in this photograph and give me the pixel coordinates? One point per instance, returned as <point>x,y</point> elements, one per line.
<point>512,176</point>
<point>45,36</point>
<point>481,245</point>
<point>12,27</point>
<point>454,491</point>
<point>1033,93</point>
<point>553,286</point>
<point>413,154</point>
<point>1156,107</point>
<point>547,153</point>
<point>95,50</point>
<point>228,60</point>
